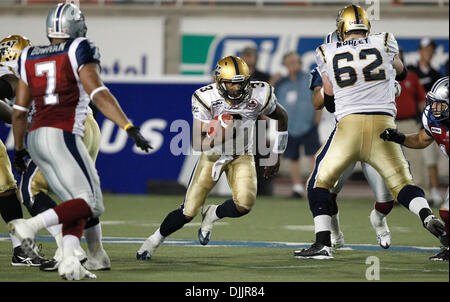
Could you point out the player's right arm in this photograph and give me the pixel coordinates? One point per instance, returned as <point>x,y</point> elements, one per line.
<point>419,140</point>
<point>107,103</point>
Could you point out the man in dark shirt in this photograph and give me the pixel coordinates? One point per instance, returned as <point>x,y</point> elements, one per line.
<point>427,74</point>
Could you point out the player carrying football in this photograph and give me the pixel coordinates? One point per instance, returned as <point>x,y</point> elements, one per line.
<point>358,77</point>
<point>61,79</point>
<point>435,123</point>
<point>224,114</point>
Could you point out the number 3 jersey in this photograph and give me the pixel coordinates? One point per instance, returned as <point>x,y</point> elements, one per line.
<point>207,104</point>
<point>51,73</point>
<point>361,72</point>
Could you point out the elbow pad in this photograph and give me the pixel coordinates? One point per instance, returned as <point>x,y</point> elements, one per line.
<point>329,103</point>
<point>5,89</point>
<point>401,76</point>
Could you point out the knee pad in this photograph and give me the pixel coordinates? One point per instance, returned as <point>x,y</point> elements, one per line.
<point>408,193</point>
<point>91,222</point>
<point>320,201</point>
<point>245,200</point>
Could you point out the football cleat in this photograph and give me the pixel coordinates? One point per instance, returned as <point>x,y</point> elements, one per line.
<point>381,228</point>
<point>441,256</point>
<point>147,249</point>
<point>70,268</point>
<point>49,266</point>
<point>437,228</point>
<point>315,251</point>
<point>337,241</point>
<point>20,259</point>
<point>25,233</point>
<point>99,262</point>
<point>384,240</point>
<point>204,233</point>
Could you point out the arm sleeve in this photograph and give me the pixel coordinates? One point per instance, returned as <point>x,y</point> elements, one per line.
<point>86,53</point>
<point>321,60</point>
<point>390,44</point>
<point>200,109</point>
<point>270,103</point>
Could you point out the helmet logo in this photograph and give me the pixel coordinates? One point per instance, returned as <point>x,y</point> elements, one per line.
<point>217,70</point>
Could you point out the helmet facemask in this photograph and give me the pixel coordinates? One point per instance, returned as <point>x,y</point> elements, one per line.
<point>437,109</point>
<point>234,95</point>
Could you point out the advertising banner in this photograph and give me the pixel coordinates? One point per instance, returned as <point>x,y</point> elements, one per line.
<point>206,40</point>
<point>130,47</point>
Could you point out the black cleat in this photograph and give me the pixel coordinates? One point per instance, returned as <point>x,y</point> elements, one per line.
<point>437,228</point>
<point>49,266</point>
<point>19,258</point>
<point>441,256</point>
<point>315,251</point>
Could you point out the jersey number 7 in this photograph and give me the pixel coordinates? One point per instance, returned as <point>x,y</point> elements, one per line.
<point>48,69</point>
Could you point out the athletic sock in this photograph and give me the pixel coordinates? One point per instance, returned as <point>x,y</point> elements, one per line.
<point>228,209</point>
<point>93,236</point>
<point>70,244</point>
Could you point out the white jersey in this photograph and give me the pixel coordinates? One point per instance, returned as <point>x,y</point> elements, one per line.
<point>362,73</point>
<point>207,103</point>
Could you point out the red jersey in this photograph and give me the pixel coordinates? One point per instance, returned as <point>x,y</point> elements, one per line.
<point>51,73</point>
<point>412,95</point>
<point>437,130</point>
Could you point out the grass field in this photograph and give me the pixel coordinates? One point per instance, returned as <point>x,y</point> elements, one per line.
<point>255,248</point>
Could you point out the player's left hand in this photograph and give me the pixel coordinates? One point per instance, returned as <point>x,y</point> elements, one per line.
<point>136,136</point>
<point>270,171</point>
<point>18,160</point>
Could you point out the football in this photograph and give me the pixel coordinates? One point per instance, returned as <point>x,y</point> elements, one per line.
<point>217,125</point>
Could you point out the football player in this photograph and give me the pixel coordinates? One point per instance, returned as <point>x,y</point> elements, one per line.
<point>384,202</point>
<point>10,208</point>
<point>230,107</point>
<point>61,79</point>
<point>358,77</point>
<point>435,122</point>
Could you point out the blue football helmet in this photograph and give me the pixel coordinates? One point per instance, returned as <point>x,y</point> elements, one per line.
<point>65,21</point>
<point>437,101</point>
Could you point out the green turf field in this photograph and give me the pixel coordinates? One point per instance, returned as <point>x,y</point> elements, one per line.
<point>253,248</point>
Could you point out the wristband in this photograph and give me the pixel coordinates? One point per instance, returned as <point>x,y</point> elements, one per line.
<point>20,108</point>
<point>127,126</point>
<point>281,139</point>
<point>98,89</point>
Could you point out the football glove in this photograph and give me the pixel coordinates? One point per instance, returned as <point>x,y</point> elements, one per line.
<point>136,136</point>
<point>393,135</point>
<point>19,162</point>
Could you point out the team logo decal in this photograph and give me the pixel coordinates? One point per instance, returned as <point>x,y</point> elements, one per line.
<point>252,104</point>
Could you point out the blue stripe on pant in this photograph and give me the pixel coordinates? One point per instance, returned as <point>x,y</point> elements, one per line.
<point>70,141</point>
<point>25,182</point>
<point>319,158</point>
